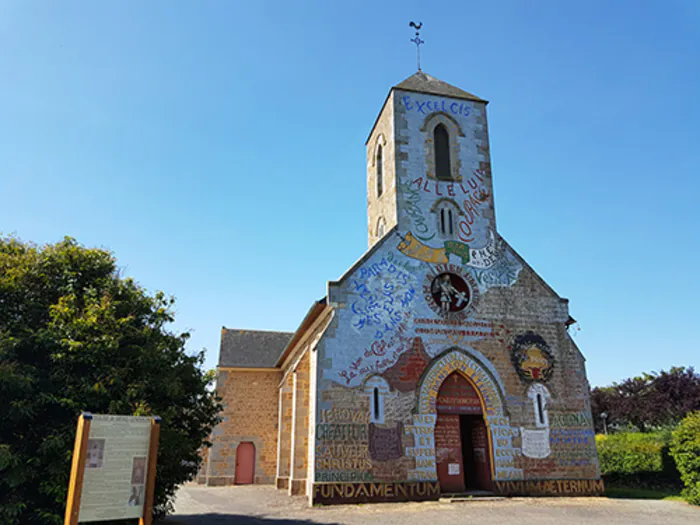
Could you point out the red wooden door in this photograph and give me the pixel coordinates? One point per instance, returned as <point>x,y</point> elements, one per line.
<point>482,456</point>
<point>245,463</point>
<point>448,451</point>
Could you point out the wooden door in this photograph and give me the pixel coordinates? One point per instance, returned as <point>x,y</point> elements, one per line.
<point>245,463</point>
<point>448,452</point>
<point>482,455</point>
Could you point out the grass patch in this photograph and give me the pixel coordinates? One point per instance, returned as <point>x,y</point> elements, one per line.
<point>638,493</point>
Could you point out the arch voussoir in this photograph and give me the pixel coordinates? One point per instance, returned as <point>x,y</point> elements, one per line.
<point>457,360</point>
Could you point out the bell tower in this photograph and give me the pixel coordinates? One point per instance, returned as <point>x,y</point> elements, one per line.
<point>382,211</point>
<point>428,165</point>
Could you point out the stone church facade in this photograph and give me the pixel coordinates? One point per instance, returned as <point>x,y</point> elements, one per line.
<point>440,362</point>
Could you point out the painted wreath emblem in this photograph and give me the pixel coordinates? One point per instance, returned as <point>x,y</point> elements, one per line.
<point>532,357</point>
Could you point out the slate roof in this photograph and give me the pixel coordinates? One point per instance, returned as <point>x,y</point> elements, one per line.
<point>251,348</point>
<point>424,83</point>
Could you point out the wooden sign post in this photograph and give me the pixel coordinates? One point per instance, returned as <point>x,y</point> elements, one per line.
<point>113,473</point>
<point>77,472</point>
<point>147,517</point>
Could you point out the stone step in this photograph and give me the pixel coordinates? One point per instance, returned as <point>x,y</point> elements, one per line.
<point>464,497</point>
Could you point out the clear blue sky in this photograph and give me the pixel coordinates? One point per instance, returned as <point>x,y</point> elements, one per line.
<point>218,149</point>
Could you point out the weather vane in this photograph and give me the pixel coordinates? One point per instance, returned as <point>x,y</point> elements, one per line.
<point>416,40</point>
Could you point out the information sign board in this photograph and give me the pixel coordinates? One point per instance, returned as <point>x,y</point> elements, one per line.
<point>113,471</point>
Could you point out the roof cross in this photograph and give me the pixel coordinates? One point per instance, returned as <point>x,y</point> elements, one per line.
<point>416,40</point>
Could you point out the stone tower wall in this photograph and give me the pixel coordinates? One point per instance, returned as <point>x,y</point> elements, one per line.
<point>416,114</point>
<point>384,206</point>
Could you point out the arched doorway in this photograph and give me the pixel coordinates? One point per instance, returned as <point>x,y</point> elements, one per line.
<point>245,463</point>
<point>501,450</point>
<point>461,437</point>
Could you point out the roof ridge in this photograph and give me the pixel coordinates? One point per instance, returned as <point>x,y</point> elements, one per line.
<point>249,330</point>
<point>422,82</point>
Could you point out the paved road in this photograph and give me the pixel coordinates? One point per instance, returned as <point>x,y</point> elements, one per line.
<point>264,505</point>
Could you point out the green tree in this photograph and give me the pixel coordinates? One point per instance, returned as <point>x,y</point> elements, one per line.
<point>650,401</point>
<point>76,336</point>
<point>685,449</point>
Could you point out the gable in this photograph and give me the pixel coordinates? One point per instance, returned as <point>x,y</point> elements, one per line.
<point>536,284</point>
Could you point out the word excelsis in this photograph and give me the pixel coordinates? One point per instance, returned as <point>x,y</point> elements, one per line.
<point>456,108</point>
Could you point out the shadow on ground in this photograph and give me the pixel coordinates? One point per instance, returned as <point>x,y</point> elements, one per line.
<point>233,519</point>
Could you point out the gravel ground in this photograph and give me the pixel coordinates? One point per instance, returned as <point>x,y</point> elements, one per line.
<point>264,505</point>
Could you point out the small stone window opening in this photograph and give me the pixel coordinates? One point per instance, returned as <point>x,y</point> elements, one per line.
<point>540,396</point>
<point>381,227</point>
<point>441,143</point>
<point>376,404</point>
<point>380,171</point>
<point>540,410</point>
<point>376,388</point>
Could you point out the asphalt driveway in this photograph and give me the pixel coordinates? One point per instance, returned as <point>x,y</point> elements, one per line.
<point>264,505</point>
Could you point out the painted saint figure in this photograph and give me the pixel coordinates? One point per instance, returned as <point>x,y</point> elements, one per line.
<point>448,294</point>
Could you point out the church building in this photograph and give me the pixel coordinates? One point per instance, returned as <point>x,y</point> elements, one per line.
<point>439,363</point>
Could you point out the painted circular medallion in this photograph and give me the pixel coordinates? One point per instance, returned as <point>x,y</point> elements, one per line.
<point>451,292</point>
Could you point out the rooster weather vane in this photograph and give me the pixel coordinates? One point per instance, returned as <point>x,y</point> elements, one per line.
<point>416,40</point>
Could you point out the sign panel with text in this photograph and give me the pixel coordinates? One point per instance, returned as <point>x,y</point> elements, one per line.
<point>113,469</point>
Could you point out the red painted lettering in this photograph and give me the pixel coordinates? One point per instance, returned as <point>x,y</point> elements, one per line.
<point>465,231</point>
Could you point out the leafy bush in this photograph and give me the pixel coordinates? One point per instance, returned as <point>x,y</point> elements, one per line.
<point>634,459</point>
<point>76,336</point>
<point>685,448</point>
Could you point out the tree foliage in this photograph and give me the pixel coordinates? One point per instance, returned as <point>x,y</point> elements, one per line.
<point>650,401</point>
<point>685,448</point>
<point>76,336</point>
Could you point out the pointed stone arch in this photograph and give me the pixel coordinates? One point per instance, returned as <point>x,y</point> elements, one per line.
<point>457,360</point>
<point>504,465</point>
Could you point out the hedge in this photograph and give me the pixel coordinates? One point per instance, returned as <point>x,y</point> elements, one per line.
<point>685,448</point>
<point>634,459</point>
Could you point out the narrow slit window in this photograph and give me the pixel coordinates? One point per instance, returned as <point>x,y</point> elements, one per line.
<point>441,142</point>
<point>449,221</point>
<point>381,227</point>
<point>442,220</point>
<point>376,403</point>
<point>540,409</point>
<point>380,171</point>
<point>376,390</point>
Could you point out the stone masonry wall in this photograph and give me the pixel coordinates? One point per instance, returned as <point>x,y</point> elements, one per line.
<point>301,427</point>
<point>285,434</point>
<point>250,414</point>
